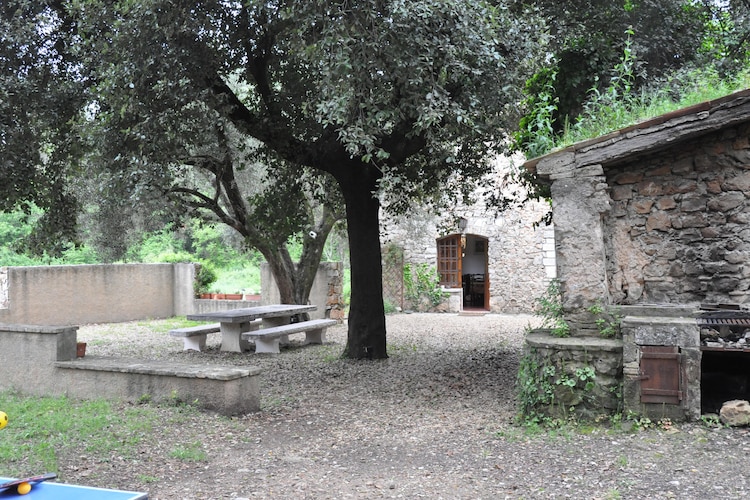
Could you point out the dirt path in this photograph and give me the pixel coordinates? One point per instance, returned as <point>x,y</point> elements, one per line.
<point>434,421</point>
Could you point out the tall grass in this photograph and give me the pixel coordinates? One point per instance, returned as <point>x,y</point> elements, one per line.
<point>679,91</point>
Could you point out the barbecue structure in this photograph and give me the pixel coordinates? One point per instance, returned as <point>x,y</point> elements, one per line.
<point>651,221</point>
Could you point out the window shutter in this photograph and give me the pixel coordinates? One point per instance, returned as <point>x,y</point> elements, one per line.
<point>449,261</point>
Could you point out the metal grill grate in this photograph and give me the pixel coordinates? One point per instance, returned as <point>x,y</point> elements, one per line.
<point>724,318</point>
<point>724,321</point>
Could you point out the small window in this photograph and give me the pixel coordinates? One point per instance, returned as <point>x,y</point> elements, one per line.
<point>449,261</point>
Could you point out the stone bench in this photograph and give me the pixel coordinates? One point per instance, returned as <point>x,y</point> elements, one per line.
<point>41,361</point>
<point>194,337</point>
<point>228,390</point>
<point>268,339</point>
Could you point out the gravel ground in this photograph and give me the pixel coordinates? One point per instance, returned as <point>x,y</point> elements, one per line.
<point>434,421</point>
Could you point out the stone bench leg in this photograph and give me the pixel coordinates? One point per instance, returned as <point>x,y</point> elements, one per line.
<point>194,343</point>
<point>267,345</point>
<point>231,336</point>
<point>317,336</point>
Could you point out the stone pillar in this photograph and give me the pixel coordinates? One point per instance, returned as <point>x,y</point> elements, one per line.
<point>28,354</point>
<point>578,205</point>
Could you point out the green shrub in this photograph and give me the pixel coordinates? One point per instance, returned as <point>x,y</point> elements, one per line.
<point>205,275</point>
<point>549,308</point>
<point>422,286</point>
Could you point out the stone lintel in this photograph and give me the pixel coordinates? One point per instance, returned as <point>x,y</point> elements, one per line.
<point>589,171</point>
<point>683,332</point>
<point>556,164</point>
<point>660,310</point>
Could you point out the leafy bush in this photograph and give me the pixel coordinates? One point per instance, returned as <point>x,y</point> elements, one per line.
<point>618,105</point>
<point>238,279</point>
<point>204,277</point>
<point>422,286</point>
<point>549,308</point>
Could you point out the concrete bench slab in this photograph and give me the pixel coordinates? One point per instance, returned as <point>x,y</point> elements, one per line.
<point>268,339</point>
<point>194,337</point>
<point>228,390</point>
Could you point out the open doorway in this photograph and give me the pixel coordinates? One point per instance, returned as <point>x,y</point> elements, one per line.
<point>462,263</point>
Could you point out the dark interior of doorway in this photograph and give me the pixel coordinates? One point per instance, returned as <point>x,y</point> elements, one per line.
<point>725,375</point>
<point>473,291</point>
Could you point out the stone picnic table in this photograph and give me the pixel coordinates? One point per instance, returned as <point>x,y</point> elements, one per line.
<point>236,321</point>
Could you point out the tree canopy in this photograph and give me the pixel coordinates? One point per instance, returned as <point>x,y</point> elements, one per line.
<point>40,99</point>
<point>591,42</point>
<point>263,112</point>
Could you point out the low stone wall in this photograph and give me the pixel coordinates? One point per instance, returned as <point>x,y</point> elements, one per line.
<point>226,390</point>
<point>580,376</point>
<point>214,305</point>
<point>41,361</point>
<point>74,295</point>
<point>83,294</point>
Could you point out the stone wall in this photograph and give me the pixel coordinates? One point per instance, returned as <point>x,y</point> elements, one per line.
<point>520,249</point>
<point>326,293</point>
<point>4,291</point>
<point>654,213</point>
<point>41,361</point>
<point>678,228</point>
<point>74,295</point>
<point>650,221</point>
<point>571,376</point>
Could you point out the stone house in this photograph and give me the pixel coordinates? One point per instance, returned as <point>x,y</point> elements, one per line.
<point>488,261</point>
<point>652,221</point>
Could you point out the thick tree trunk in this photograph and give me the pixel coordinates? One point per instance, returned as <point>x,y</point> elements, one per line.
<point>284,273</point>
<point>312,253</point>
<point>367,334</point>
<point>295,281</point>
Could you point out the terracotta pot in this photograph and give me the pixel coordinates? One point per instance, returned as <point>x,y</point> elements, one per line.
<point>80,349</point>
<point>206,295</point>
<point>252,296</point>
<point>233,296</point>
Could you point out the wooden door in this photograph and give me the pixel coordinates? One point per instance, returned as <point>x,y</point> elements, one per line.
<point>449,261</point>
<point>486,274</point>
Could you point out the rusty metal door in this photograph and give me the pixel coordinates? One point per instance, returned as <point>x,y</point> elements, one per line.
<point>661,374</point>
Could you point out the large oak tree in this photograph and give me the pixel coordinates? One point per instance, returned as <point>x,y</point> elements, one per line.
<point>396,100</point>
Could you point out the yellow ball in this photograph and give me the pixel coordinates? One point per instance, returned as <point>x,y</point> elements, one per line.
<point>3,419</point>
<point>24,488</point>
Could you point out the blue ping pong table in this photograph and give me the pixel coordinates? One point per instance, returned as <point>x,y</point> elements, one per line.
<point>61,491</point>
